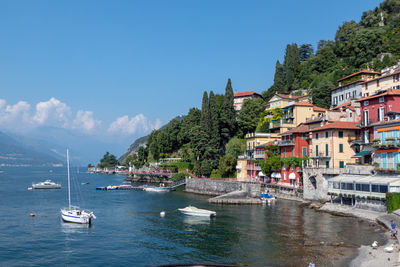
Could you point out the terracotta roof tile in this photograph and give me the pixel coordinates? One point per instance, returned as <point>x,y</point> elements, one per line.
<point>359,72</point>
<point>247,93</point>
<point>294,97</point>
<point>388,92</point>
<point>338,125</point>
<point>299,129</point>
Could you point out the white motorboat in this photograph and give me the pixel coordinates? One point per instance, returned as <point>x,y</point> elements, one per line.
<point>190,210</point>
<point>48,184</point>
<point>156,189</point>
<point>112,187</point>
<point>74,214</point>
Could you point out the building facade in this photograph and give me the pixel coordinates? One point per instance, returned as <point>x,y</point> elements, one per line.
<point>332,145</point>
<point>239,98</point>
<point>282,100</point>
<point>390,79</point>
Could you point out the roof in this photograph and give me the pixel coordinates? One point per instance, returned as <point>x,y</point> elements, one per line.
<point>299,129</point>
<point>247,93</point>
<point>362,154</point>
<point>270,143</point>
<point>397,71</point>
<point>294,97</point>
<point>388,92</point>
<point>359,72</point>
<point>345,105</point>
<point>338,125</point>
<point>347,84</point>
<point>378,123</point>
<point>306,104</point>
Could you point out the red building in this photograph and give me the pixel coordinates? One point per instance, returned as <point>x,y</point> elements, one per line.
<point>376,108</point>
<point>294,143</point>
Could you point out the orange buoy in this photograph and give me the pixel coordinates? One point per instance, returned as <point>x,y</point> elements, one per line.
<point>32,214</point>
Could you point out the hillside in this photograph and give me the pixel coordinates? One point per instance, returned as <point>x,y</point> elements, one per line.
<point>14,153</point>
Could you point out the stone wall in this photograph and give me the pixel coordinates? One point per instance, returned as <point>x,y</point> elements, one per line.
<point>219,187</point>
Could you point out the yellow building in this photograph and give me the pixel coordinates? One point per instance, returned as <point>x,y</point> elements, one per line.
<point>282,100</point>
<point>295,114</point>
<point>332,145</point>
<point>390,79</point>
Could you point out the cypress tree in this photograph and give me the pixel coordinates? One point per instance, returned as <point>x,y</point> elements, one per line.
<point>228,116</point>
<point>214,142</point>
<point>291,63</point>
<point>279,78</point>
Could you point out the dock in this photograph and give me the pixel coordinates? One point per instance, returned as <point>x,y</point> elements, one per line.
<point>121,187</point>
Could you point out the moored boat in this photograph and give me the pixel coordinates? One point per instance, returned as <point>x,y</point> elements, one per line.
<point>156,189</point>
<point>190,210</point>
<point>48,184</point>
<point>74,214</point>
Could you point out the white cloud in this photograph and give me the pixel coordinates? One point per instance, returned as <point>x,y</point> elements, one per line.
<point>84,120</point>
<point>137,124</point>
<point>52,112</point>
<point>16,115</point>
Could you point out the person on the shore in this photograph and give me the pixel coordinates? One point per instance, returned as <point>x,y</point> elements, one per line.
<point>394,230</point>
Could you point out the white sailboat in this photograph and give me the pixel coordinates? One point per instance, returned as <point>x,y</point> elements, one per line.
<point>74,214</point>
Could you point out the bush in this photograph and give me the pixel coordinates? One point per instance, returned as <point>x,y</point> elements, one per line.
<point>215,174</point>
<point>392,201</point>
<point>177,176</point>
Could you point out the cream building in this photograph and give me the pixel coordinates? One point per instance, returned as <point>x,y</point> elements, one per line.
<point>239,98</point>
<point>333,145</point>
<point>390,79</point>
<point>282,100</point>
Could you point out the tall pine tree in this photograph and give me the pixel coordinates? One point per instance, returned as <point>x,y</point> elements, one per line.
<point>291,63</point>
<point>279,78</point>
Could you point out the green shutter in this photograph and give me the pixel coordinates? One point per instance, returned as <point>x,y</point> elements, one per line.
<point>326,135</point>
<point>316,136</point>
<point>341,164</point>
<point>304,152</point>
<point>340,147</point>
<point>326,150</point>
<point>316,150</point>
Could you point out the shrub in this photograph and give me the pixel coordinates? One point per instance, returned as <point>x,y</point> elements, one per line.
<point>177,176</point>
<point>215,174</point>
<point>393,201</point>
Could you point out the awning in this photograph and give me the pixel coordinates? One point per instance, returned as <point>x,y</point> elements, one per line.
<point>292,176</point>
<point>261,174</point>
<point>273,175</point>
<point>361,154</point>
<point>278,175</point>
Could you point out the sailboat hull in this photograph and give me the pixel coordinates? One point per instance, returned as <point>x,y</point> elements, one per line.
<point>74,216</point>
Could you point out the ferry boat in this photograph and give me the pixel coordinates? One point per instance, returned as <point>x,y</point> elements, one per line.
<point>48,184</point>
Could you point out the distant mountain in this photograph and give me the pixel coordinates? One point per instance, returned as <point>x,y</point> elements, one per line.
<point>16,153</point>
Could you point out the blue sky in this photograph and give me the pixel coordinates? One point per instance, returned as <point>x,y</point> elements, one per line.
<point>119,59</point>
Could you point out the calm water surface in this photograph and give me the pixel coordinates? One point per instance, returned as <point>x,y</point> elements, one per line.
<point>129,231</point>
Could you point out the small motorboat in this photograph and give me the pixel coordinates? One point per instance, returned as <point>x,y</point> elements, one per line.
<point>267,198</point>
<point>190,210</point>
<point>48,184</point>
<point>112,187</point>
<point>86,183</point>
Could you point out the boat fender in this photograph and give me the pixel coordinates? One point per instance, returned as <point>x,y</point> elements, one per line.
<point>162,214</point>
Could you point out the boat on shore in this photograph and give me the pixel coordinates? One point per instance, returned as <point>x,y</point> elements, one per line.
<point>48,184</point>
<point>190,210</point>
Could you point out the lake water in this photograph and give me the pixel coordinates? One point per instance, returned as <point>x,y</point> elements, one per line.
<point>129,231</point>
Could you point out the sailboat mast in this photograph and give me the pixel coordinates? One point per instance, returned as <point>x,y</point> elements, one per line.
<point>69,186</point>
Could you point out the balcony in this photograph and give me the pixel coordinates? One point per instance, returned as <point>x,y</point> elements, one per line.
<point>274,125</point>
<point>259,156</point>
<point>320,155</point>
<point>253,168</point>
<point>286,143</point>
<point>388,143</point>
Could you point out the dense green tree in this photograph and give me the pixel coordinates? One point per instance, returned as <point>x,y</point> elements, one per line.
<point>191,120</point>
<point>108,161</point>
<point>235,147</point>
<point>279,78</point>
<point>227,166</point>
<point>305,52</point>
<point>228,116</point>
<point>321,93</point>
<point>290,65</point>
<point>249,116</point>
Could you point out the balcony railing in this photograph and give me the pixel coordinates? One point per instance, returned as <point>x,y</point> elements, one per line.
<point>352,138</point>
<point>253,168</point>
<point>286,143</point>
<point>259,156</point>
<point>388,143</point>
<point>320,155</point>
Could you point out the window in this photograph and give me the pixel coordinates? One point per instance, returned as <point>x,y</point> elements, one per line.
<point>366,86</point>
<point>366,103</point>
<point>316,150</point>
<point>396,78</point>
<point>327,164</point>
<point>326,150</point>
<point>304,136</point>
<point>284,152</point>
<point>381,99</point>
<point>304,152</point>
<point>366,117</point>
<point>341,164</point>
<point>362,187</point>
<point>354,94</point>
<point>340,134</point>
<point>292,151</point>
<point>335,100</point>
<point>340,97</point>
<point>341,148</point>
<point>326,134</point>
<point>381,113</point>
<point>350,114</point>
<point>377,83</point>
<point>316,136</point>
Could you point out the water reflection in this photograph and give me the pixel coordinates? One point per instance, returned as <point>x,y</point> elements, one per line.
<point>75,228</point>
<point>196,220</point>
